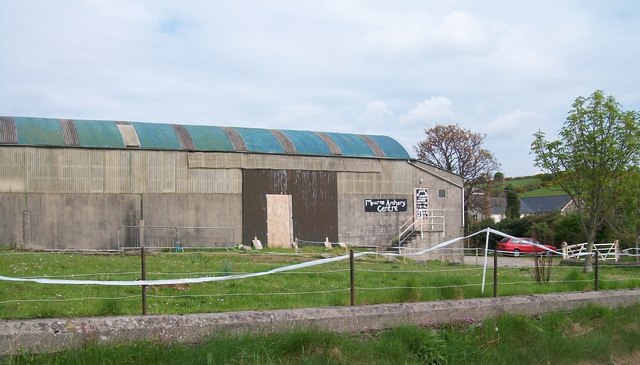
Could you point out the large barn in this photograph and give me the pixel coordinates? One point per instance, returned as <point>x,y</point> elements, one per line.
<point>84,184</point>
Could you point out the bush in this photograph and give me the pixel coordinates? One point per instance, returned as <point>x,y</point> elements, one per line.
<point>569,229</point>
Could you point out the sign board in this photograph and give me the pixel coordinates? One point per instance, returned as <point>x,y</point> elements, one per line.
<point>385,205</point>
<point>422,203</point>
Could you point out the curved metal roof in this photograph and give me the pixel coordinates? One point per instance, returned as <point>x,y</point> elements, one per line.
<point>50,132</point>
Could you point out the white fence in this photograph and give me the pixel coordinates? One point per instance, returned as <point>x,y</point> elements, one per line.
<point>606,251</point>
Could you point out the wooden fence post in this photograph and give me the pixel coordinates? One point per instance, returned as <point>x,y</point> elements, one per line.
<point>595,270</point>
<point>352,278</point>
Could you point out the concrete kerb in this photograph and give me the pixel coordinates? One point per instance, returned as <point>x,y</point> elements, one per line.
<point>52,335</point>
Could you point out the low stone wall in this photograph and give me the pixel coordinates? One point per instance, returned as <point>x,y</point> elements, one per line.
<point>51,335</point>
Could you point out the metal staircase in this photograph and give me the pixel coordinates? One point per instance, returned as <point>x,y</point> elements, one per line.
<point>432,220</point>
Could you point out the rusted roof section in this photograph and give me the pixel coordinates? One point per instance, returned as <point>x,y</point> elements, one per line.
<point>69,133</point>
<point>236,139</point>
<point>184,137</point>
<point>374,146</point>
<point>333,146</point>
<point>284,141</point>
<point>8,134</point>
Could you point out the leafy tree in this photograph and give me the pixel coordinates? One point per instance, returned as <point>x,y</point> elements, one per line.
<point>592,161</point>
<point>479,240</point>
<point>541,231</point>
<point>627,224</point>
<point>460,151</point>
<point>569,229</point>
<point>498,176</point>
<point>514,226</point>
<point>512,209</point>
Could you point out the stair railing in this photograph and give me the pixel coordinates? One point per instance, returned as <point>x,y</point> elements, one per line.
<point>435,223</point>
<point>406,229</point>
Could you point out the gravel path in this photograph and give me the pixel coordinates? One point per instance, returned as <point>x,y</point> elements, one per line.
<point>503,261</point>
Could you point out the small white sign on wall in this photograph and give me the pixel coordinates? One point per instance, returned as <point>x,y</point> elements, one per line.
<point>422,203</point>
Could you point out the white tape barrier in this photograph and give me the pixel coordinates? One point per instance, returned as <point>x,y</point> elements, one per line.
<point>228,277</point>
<point>251,275</point>
<point>180,281</point>
<point>544,248</point>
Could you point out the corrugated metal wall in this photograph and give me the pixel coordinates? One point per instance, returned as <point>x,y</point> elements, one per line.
<point>215,160</point>
<point>315,202</point>
<point>58,170</point>
<point>393,178</point>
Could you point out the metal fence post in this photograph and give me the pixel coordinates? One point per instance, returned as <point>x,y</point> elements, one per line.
<point>495,272</point>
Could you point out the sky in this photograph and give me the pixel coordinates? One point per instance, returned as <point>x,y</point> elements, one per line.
<point>505,69</point>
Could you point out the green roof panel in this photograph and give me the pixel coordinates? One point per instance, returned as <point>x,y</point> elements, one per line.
<point>156,136</point>
<point>209,138</point>
<point>39,131</point>
<point>351,145</point>
<point>260,140</point>
<point>308,143</point>
<point>98,135</point>
<point>390,146</point>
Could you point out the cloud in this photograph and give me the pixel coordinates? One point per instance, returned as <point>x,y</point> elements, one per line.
<point>358,66</point>
<point>515,122</point>
<point>456,31</point>
<point>435,109</point>
<point>299,115</point>
<point>376,117</point>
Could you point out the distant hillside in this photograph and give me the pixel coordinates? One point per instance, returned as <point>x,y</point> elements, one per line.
<point>531,186</point>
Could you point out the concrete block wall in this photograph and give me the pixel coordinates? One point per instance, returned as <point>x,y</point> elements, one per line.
<point>396,179</point>
<point>92,221</point>
<point>63,221</point>
<point>355,226</point>
<point>58,334</point>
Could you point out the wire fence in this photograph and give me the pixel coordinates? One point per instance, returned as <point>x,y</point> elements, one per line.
<point>313,275</point>
<point>173,237</point>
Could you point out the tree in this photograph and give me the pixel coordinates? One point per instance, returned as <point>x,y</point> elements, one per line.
<point>512,209</point>
<point>460,151</point>
<point>569,229</point>
<point>592,161</point>
<point>627,226</point>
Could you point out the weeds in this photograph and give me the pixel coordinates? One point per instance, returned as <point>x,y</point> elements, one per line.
<point>227,268</point>
<point>588,335</point>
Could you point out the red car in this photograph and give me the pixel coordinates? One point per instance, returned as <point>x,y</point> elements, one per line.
<point>522,245</point>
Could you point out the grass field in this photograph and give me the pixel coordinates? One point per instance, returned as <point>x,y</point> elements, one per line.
<point>377,280</point>
<point>542,192</point>
<point>531,187</point>
<point>588,336</point>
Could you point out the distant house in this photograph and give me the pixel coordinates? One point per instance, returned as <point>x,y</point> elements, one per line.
<point>545,204</point>
<point>496,207</point>
<point>528,206</point>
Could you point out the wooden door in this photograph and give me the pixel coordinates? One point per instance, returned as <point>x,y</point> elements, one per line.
<point>279,220</point>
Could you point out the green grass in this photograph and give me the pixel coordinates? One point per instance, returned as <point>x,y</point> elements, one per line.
<point>589,335</point>
<point>542,192</point>
<point>376,281</point>
<point>520,182</point>
<point>530,187</point>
